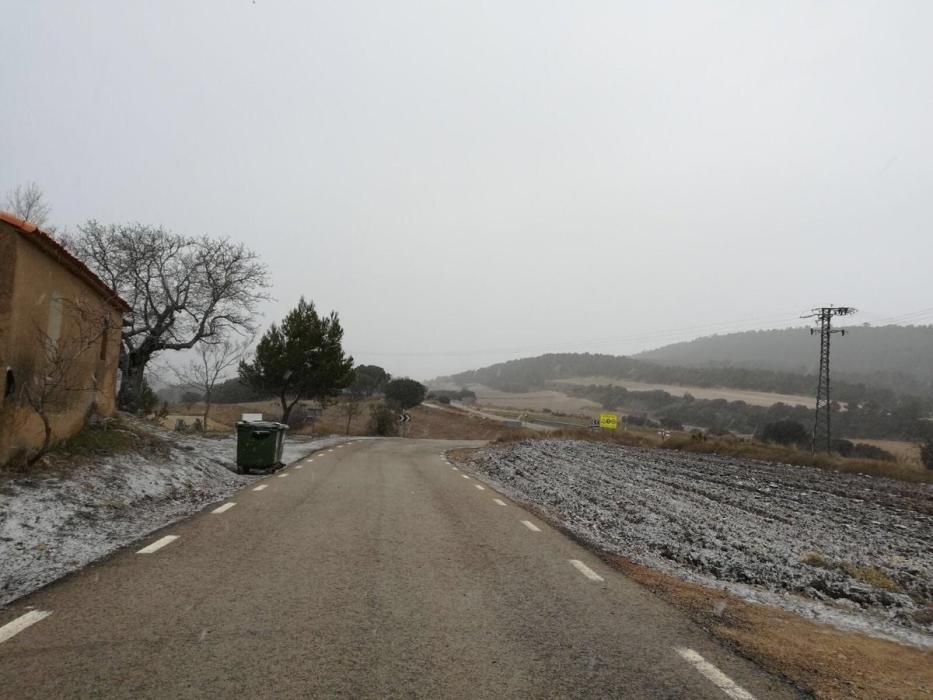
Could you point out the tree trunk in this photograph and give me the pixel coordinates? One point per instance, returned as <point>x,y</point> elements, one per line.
<point>207,408</point>
<point>46,443</point>
<point>133,370</point>
<point>286,410</point>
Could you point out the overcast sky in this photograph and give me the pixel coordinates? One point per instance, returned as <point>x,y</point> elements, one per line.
<point>467,182</point>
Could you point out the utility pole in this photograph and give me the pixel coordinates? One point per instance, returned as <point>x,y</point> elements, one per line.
<point>822,428</point>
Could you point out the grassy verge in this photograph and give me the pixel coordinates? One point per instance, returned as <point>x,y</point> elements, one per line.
<point>741,449</point>
<point>822,660</point>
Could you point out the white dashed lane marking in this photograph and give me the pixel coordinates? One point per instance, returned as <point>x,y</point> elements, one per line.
<point>282,476</point>
<point>531,526</point>
<point>299,466</point>
<point>11,629</point>
<point>714,675</point>
<point>158,544</point>
<point>454,469</point>
<point>261,487</point>
<point>499,501</point>
<point>464,476</point>
<point>585,570</point>
<point>481,488</point>
<point>223,509</point>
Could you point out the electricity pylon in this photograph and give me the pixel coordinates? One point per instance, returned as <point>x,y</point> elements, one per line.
<point>822,425</point>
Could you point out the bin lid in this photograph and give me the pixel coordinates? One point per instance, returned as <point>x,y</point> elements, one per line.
<point>262,425</point>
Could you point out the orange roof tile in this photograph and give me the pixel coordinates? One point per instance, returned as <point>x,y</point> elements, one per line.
<point>54,249</point>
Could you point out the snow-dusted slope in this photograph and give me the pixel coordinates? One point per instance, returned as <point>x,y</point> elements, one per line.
<point>51,526</point>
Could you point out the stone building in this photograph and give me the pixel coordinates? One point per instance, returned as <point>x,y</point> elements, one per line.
<point>59,340</point>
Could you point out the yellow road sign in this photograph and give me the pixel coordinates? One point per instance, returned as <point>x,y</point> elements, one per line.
<point>609,421</point>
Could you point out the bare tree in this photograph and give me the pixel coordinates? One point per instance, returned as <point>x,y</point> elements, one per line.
<point>28,203</point>
<point>212,363</point>
<point>182,290</point>
<point>59,370</point>
<point>352,407</point>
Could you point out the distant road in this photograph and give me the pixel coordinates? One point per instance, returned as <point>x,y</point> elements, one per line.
<point>371,570</point>
<point>492,416</point>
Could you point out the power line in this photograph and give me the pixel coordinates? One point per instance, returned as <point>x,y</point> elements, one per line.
<point>657,336</point>
<point>822,428</point>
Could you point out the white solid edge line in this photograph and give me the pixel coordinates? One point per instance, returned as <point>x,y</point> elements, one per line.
<point>714,675</point>
<point>531,526</point>
<point>158,544</point>
<point>223,509</point>
<point>499,501</point>
<point>11,629</point>
<point>282,476</point>
<point>261,487</point>
<point>481,488</point>
<point>585,570</point>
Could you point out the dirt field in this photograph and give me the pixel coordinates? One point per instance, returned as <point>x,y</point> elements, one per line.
<point>762,555</point>
<point>753,398</point>
<point>534,400</point>
<point>846,548</point>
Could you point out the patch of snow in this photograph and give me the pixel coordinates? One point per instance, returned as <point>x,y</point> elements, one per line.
<point>52,526</point>
<point>771,533</point>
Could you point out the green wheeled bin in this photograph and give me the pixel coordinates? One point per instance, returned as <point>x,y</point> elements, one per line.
<point>259,445</point>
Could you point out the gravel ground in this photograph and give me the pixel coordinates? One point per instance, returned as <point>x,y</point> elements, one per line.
<point>851,550</point>
<point>50,526</point>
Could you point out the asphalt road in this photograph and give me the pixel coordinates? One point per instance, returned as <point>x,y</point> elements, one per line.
<point>375,570</point>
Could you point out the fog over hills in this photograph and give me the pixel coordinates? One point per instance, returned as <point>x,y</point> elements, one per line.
<point>898,357</point>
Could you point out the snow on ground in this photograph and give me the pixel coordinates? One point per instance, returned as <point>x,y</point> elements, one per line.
<point>847,549</point>
<point>50,526</point>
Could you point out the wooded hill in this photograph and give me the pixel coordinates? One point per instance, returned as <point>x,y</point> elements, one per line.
<point>533,373</point>
<point>862,410</point>
<point>899,358</point>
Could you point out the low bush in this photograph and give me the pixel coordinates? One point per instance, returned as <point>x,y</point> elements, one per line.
<point>382,420</point>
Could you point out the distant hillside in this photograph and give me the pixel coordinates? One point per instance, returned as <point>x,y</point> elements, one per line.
<point>533,373</point>
<point>899,358</point>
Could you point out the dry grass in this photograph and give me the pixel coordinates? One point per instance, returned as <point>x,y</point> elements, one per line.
<point>829,663</point>
<point>871,575</point>
<point>906,452</point>
<point>815,559</point>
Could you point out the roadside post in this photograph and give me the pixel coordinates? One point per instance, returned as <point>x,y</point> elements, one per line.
<point>402,420</point>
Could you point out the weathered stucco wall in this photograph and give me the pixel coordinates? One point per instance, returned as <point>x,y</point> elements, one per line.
<point>48,312</point>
